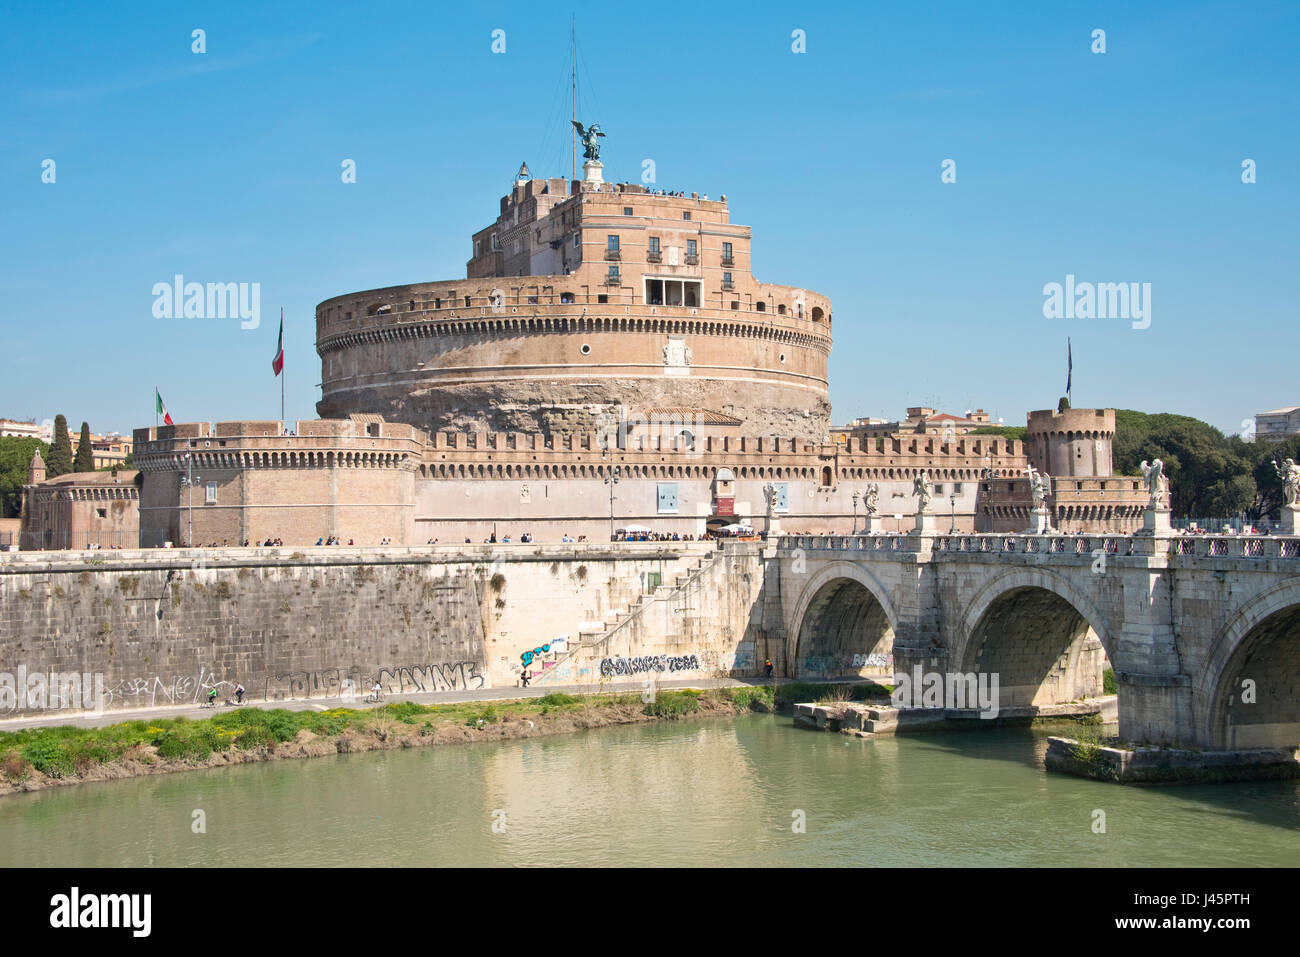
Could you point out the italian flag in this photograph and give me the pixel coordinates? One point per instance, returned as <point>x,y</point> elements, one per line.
<point>162,409</point>
<point>277,364</point>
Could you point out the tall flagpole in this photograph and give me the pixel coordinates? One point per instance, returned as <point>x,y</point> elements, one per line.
<point>282,422</point>
<point>573,92</point>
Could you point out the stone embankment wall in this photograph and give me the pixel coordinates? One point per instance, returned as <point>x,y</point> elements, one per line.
<point>163,625</point>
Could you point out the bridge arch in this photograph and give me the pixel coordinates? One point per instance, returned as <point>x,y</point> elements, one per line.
<point>1260,642</point>
<point>1045,638</point>
<point>843,624</point>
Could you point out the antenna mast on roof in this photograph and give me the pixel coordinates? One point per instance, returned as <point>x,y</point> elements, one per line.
<point>573,95</point>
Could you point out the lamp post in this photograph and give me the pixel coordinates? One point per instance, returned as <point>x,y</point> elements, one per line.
<point>611,481</point>
<point>188,481</point>
<point>952,501</point>
<point>855,513</point>
<point>986,480</point>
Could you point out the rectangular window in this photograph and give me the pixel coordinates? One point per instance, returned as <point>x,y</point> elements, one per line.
<point>627,210</point>
<point>211,497</point>
<point>726,277</point>
<point>613,272</point>
<point>577,240</point>
<point>956,487</point>
<point>690,247</point>
<point>686,215</point>
<point>938,488</point>
<point>654,244</point>
<point>667,497</point>
<point>726,250</point>
<point>612,244</point>
<point>478,251</point>
<point>495,244</point>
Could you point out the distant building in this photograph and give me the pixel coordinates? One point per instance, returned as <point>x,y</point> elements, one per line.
<point>107,451</point>
<point>80,509</point>
<point>1278,425</point>
<point>919,421</point>
<point>27,430</point>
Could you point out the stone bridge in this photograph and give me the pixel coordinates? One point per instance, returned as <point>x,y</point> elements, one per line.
<point>1203,632</point>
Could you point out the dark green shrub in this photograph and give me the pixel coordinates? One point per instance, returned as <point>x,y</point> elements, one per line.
<point>283,725</point>
<point>556,699</point>
<point>672,704</point>
<point>1108,683</point>
<point>49,756</point>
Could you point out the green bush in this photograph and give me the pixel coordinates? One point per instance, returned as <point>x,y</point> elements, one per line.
<point>48,755</point>
<point>283,725</point>
<point>254,736</point>
<point>556,699</point>
<point>672,704</point>
<point>402,710</point>
<point>1108,683</point>
<point>242,718</point>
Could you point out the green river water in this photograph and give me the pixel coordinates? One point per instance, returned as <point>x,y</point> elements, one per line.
<point>707,792</point>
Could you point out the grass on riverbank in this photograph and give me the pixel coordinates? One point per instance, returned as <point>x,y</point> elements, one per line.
<point>67,751</point>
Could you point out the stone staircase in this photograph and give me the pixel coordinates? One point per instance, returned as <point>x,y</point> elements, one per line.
<point>594,637</point>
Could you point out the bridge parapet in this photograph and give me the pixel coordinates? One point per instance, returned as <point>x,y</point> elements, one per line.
<point>1200,546</point>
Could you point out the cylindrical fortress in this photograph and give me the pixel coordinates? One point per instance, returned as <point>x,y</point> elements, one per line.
<point>623,301</point>
<point>1073,443</point>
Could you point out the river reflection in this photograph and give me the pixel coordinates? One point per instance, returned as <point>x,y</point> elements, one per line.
<point>710,792</point>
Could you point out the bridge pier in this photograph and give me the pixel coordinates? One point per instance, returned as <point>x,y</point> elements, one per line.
<point>1155,709</point>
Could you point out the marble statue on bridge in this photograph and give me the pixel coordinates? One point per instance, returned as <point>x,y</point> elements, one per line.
<point>871,498</point>
<point>1157,484</point>
<point>1040,486</point>
<point>921,489</point>
<point>1289,473</point>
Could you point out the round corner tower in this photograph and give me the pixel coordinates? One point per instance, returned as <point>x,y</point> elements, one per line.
<point>585,298</point>
<point>1072,443</point>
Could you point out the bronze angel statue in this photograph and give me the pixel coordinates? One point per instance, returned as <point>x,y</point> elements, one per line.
<point>590,146</point>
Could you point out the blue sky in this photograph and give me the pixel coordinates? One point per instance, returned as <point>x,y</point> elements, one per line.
<point>225,167</point>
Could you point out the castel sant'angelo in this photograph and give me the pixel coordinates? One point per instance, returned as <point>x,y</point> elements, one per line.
<point>608,362</point>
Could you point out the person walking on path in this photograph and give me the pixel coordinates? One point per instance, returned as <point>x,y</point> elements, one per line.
<point>768,665</point>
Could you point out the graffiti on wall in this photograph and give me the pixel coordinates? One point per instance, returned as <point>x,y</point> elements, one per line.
<point>461,676</point>
<point>611,667</point>
<point>872,661</point>
<point>156,690</point>
<point>829,665</point>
